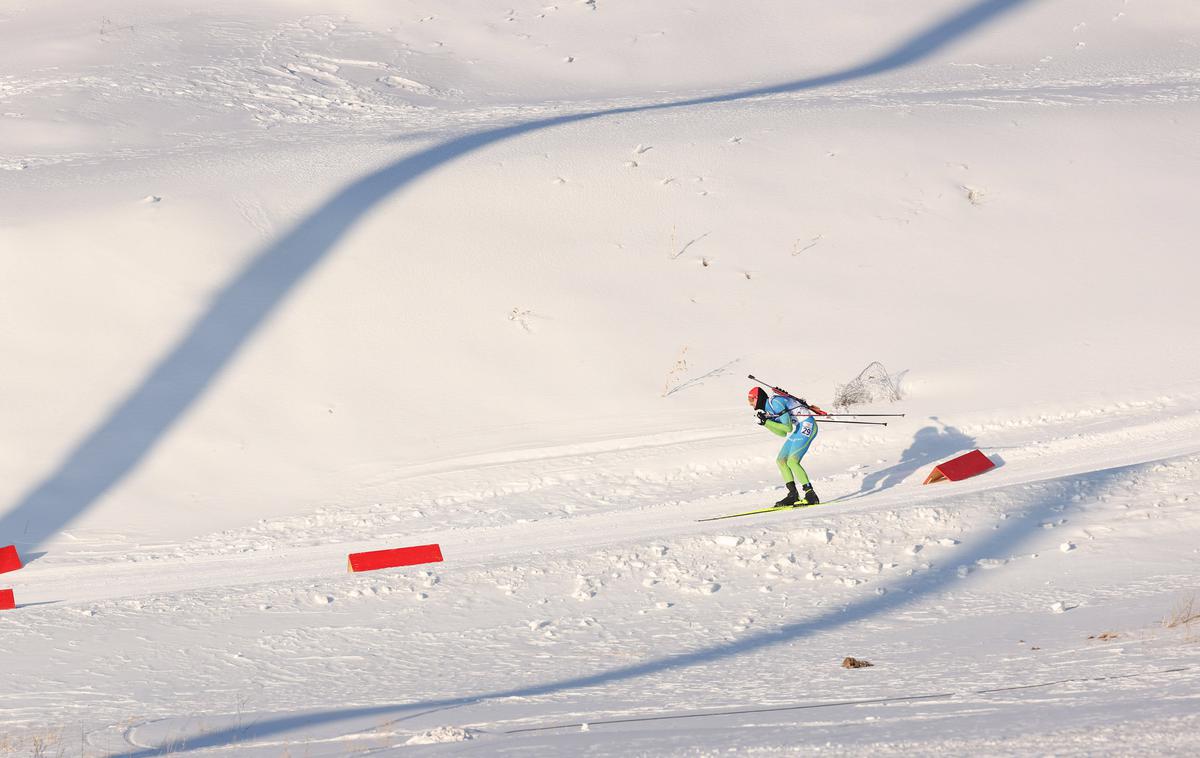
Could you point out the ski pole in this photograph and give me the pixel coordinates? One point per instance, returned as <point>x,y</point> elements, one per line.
<point>823,420</point>
<point>838,415</point>
<point>832,417</point>
<point>826,420</point>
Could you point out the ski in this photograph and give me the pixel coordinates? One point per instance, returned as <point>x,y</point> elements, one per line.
<point>796,507</point>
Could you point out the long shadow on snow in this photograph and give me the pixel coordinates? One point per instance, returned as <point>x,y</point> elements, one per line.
<point>130,431</point>
<point>1001,542</point>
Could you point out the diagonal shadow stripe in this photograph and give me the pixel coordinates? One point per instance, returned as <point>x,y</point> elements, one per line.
<point>1004,540</point>
<point>122,439</point>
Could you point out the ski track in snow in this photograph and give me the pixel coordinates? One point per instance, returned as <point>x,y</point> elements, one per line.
<point>536,500</point>
<point>603,587</point>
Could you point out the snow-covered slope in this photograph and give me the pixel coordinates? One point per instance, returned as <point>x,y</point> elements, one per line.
<point>288,279</point>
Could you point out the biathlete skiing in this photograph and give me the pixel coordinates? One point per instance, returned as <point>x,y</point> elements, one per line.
<point>794,419</point>
<point>791,418</point>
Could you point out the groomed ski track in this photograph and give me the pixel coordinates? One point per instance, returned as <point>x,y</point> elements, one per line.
<point>232,560</point>
<point>1127,455</point>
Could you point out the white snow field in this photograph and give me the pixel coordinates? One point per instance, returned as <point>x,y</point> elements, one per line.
<point>284,280</point>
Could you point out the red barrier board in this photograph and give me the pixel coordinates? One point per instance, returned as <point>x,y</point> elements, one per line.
<point>962,467</point>
<point>401,556</point>
<point>7,603</point>
<point>9,560</point>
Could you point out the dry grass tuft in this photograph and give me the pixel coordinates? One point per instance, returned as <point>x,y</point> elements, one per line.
<point>1185,612</point>
<point>49,745</point>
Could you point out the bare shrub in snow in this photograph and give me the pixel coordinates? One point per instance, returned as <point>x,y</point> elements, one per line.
<point>873,384</point>
<point>44,745</point>
<point>1185,612</point>
<point>522,316</point>
<point>679,369</point>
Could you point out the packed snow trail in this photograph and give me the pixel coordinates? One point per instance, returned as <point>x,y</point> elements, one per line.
<point>85,577</point>
<point>975,580</point>
<point>713,595</point>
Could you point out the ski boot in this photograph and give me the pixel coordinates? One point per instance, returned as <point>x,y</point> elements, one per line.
<point>810,497</point>
<point>791,498</point>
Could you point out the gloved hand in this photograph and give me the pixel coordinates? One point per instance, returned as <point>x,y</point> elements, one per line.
<point>762,417</point>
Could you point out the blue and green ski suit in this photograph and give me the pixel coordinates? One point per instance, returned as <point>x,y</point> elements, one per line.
<point>793,421</point>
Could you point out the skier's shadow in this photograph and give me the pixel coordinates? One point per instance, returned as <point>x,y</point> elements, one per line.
<point>930,445</point>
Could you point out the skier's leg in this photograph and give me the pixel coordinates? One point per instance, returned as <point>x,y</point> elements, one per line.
<point>782,462</point>
<point>795,455</point>
<point>799,475</point>
<point>789,478</point>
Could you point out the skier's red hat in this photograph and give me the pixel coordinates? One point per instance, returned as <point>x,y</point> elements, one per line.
<point>757,397</point>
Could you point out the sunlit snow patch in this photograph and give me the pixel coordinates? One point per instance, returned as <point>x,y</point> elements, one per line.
<point>441,734</point>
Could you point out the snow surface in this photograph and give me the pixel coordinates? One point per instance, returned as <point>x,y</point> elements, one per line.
<point>289,279</point>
